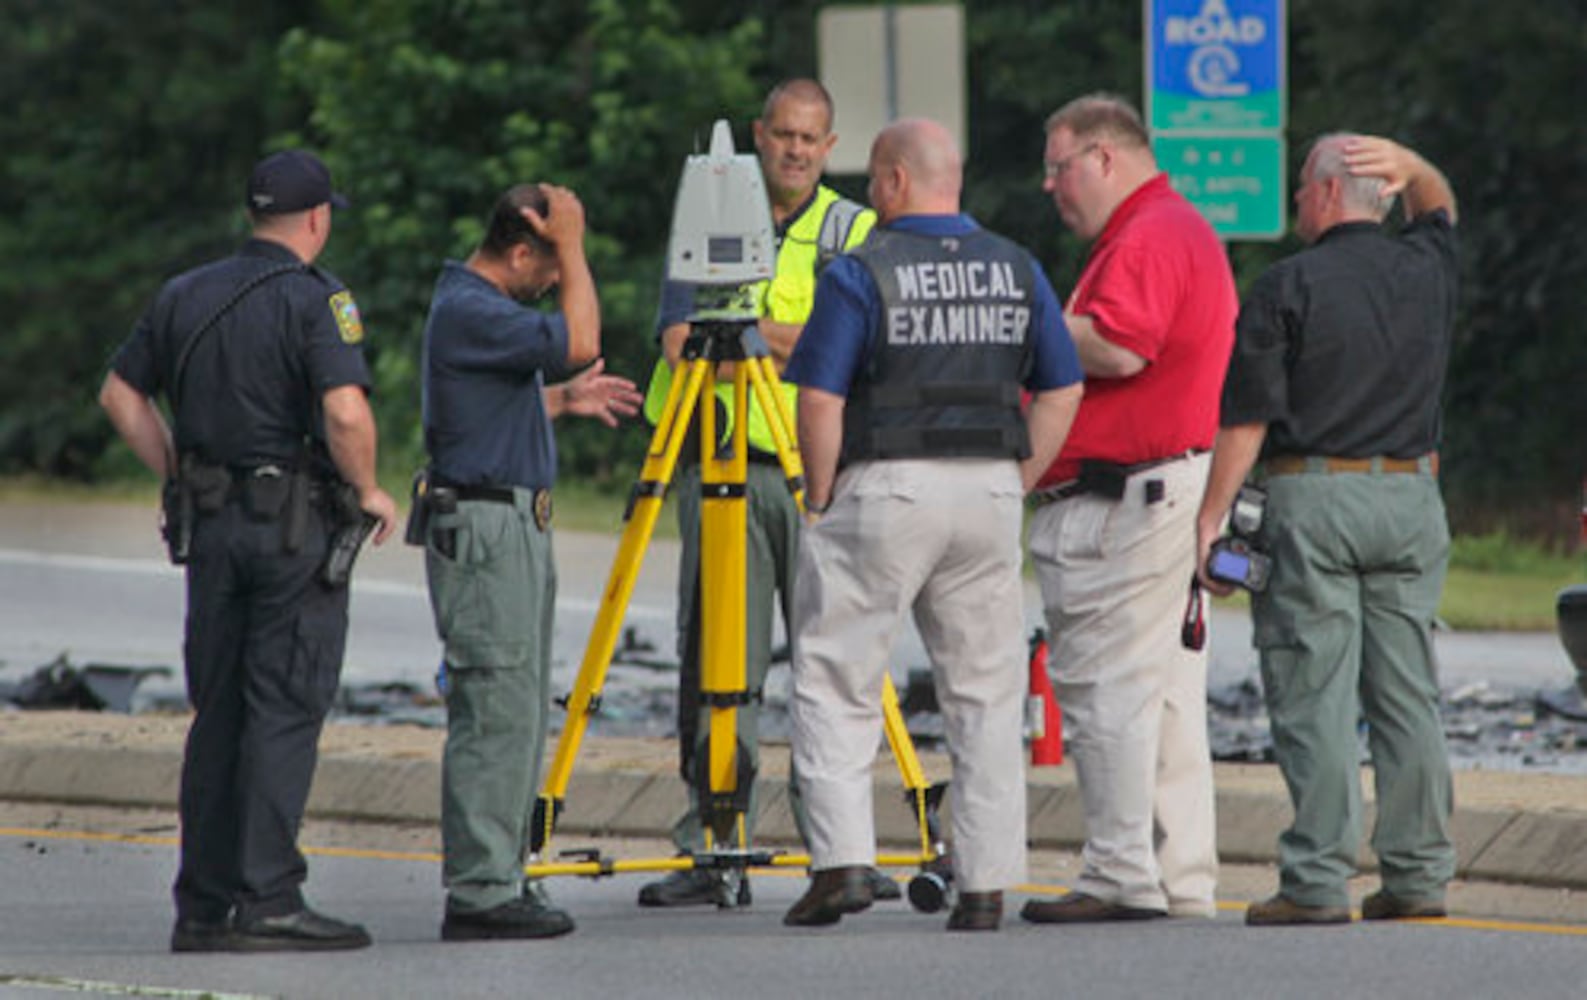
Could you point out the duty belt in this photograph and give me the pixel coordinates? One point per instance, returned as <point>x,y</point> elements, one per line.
<point>1291,465</point>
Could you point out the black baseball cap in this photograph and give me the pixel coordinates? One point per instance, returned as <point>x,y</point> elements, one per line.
<point>293,180</point>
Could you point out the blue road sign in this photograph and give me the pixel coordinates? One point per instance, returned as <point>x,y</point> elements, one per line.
<point>1215,65</point>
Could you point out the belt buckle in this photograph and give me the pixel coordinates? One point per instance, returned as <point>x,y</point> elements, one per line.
<point>542,509</point>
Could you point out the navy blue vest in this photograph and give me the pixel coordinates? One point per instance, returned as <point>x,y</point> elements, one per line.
<point>944,377</point>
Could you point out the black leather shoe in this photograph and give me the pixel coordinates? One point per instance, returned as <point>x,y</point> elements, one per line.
<point>304,930</point>
<point>524,917</point>
<point>690,887</point>
<point>832,893</point>
<point>1381,905</point>
<point>883,889</point>
<point>201,935</point>
<point>1081,908</point>
<point>977,911</point>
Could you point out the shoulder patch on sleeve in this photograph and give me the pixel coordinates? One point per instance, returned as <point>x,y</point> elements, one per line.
<point>347,322</point>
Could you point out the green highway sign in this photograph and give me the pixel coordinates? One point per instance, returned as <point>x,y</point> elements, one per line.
<point>1237,182</point>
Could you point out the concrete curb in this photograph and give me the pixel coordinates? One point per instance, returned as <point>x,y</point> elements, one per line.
<point>1529,831</point>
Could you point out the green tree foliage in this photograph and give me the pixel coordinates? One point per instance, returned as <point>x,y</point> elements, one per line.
<point>125,124</point>
<point>430,108</point>
<point>132,124</point>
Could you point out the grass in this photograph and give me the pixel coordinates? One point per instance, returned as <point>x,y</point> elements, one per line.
<point>1504,583</point>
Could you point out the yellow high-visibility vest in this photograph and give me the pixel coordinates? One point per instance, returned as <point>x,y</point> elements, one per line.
<point>830,225</point>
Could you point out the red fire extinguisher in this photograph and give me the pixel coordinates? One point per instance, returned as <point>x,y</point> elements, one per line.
<point>1045,719</point>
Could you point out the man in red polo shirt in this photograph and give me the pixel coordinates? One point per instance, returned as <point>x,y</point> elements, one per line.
<point>1113,537</point>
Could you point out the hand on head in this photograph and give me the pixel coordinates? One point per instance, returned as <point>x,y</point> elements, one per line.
<point>563,223</point>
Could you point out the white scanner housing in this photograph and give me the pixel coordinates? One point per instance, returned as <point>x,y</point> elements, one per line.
<point>721,221</point>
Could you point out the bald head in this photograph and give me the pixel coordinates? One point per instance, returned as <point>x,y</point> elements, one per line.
<point>915,169</point>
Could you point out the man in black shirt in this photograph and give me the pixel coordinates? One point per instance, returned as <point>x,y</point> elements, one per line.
<point>260,356</point>
<point>1339,361</point>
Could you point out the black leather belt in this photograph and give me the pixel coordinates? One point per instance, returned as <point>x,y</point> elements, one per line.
<point>490,494</point>
<point>540,503</point>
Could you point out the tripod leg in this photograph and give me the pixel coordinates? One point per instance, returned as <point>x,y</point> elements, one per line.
<point>644,507</point>
<point>725,779</point>
<point>768,392</point>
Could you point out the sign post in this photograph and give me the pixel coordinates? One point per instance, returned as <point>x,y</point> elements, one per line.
<point>1216,96</point>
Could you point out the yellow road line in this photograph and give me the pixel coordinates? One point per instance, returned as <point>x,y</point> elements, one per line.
<point>136,838</point>
<point>1465,923</point>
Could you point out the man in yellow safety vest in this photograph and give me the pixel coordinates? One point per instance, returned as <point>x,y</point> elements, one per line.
<point>814,224</point>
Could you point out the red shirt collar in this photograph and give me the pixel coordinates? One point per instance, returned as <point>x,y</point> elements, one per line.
<point>1148,192</point>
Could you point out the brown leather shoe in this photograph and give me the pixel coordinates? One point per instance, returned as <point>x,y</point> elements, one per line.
<point>1280,912</point>
<point>977,911</point>
<point>1383,906</point>
<point>1081,908</point>
<point>832,893</point>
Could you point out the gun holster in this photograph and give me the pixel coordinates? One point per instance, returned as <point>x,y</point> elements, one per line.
<point>176,520</point>
<point>418,527</point>
<point>349,527</point>
<point>197,488</point>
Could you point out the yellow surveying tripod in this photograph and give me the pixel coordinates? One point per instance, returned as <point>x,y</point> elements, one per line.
<point>722,775</point>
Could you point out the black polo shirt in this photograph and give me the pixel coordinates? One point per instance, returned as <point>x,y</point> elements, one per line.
<point>252,388</point>
<point>1342,348</point>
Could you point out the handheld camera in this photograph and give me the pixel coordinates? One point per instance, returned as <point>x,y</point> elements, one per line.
<point>1234,558</point>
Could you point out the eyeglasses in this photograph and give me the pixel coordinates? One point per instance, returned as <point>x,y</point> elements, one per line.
<point>1054,169</point>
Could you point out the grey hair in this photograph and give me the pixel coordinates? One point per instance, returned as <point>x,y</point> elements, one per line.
<point>1364,194</point>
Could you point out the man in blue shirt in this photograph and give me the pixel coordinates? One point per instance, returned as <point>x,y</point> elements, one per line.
<point>488,560</point>
<point>917,455</point>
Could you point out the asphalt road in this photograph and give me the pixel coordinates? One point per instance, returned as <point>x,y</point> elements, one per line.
<point>90,580</point>
<point>91,916</point>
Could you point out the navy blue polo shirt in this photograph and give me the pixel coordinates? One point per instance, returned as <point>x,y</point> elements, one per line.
<point>838,338</point>
<point>486,358</point>
<point>252,387</point>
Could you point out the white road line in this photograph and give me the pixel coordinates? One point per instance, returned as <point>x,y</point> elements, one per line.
<point>383,588</point>
<point>66,985</point>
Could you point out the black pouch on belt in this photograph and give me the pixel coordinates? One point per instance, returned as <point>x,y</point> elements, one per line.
<point>1103,479</point>
<point>207,485</point>
<point>264,492</point>
<point>295,512</point>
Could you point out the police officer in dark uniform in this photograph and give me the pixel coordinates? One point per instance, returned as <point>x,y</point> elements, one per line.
<point>259,355</point>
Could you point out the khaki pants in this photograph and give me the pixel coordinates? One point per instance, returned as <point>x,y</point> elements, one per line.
<point>1115,577</point>
<point>938,539</point>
